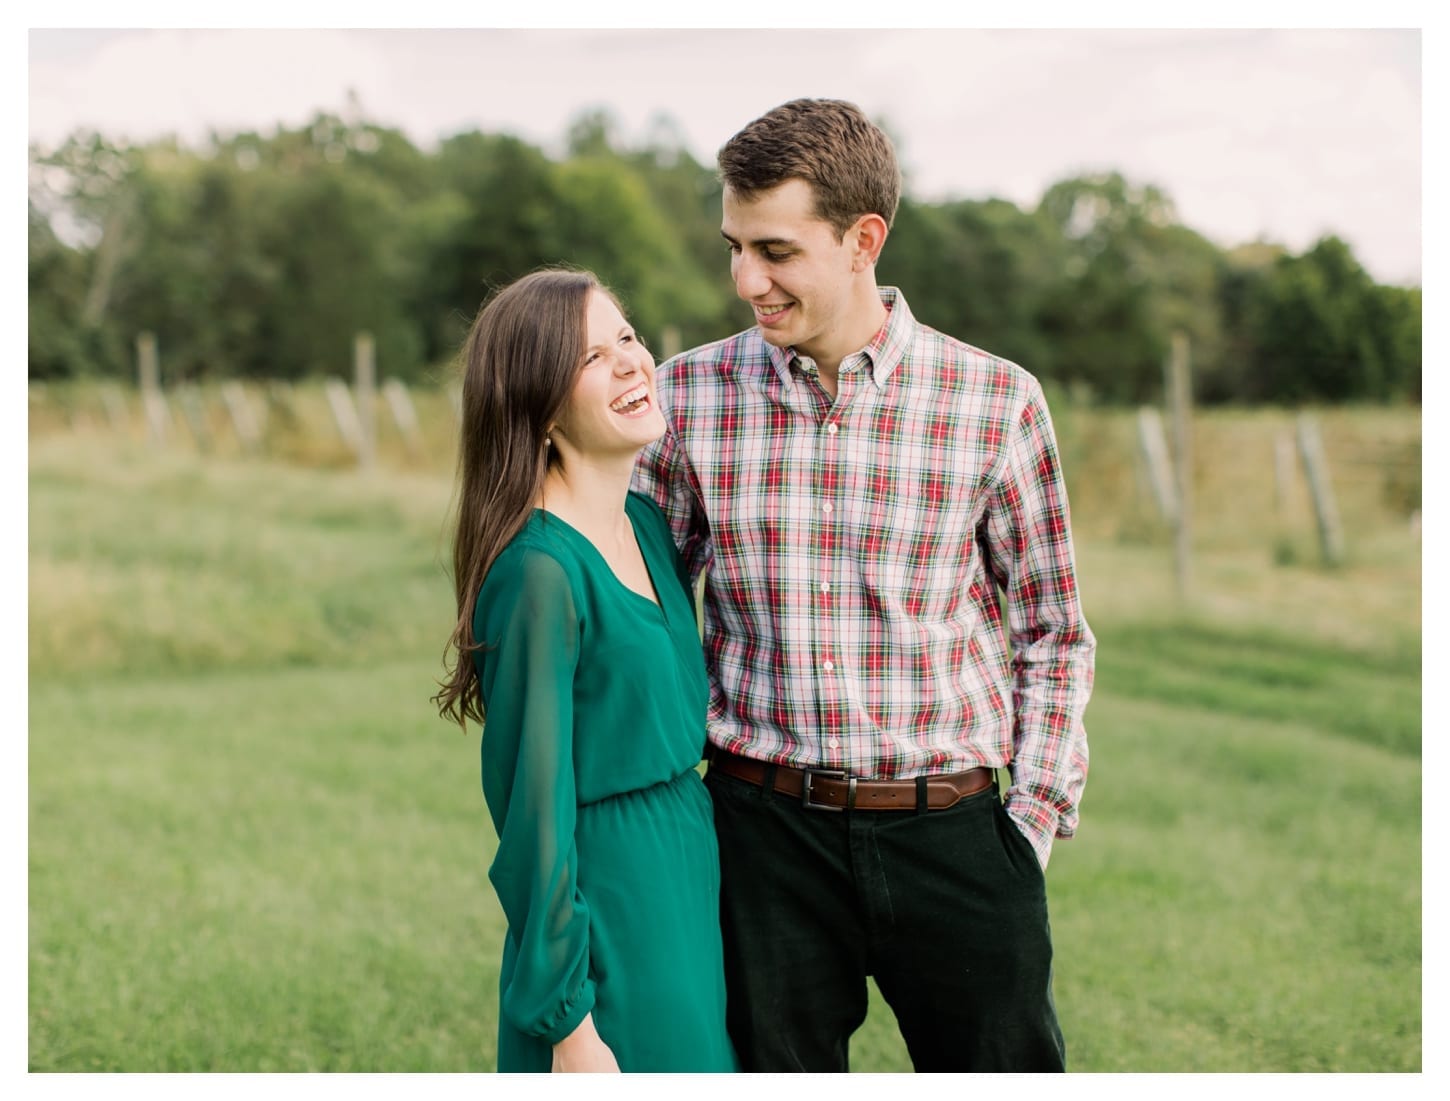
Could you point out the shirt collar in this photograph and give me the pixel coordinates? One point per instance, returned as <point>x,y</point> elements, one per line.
<point>883,352</point>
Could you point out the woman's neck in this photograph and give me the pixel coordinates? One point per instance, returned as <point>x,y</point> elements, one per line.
<point>590,497</point>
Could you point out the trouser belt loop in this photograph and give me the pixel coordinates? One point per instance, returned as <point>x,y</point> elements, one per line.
<point>768,784</point>
<point>921,796</point>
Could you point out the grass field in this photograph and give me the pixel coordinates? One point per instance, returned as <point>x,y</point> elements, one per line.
<point>254,847</point>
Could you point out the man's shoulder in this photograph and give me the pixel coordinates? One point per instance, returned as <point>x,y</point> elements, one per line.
<point>735,356</point>
<point>959,365</point>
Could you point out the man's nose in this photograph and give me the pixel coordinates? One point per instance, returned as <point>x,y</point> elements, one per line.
<point>751,280</point>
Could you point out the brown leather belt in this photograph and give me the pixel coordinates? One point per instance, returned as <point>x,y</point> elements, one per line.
<point>835,791</point>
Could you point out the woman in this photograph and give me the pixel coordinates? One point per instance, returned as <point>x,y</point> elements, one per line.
<point>576,640</point>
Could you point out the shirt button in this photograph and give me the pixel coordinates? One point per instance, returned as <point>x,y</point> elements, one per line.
<point>826,508</point>
<point>828,666</point>
<point>831,429</point>
<point>825,586</point>
<point>834,743</point>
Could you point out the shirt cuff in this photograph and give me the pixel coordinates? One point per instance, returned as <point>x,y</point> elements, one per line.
<point>1038,823</point>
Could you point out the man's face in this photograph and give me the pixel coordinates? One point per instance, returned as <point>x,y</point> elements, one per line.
<point>792,269</point>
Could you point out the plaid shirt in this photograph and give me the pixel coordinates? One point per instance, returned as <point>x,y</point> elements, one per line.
<point>860,554</point>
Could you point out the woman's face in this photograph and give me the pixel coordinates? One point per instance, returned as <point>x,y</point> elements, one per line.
<point>612,409</point>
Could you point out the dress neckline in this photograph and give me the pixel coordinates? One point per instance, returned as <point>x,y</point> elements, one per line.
<point>547,517</point>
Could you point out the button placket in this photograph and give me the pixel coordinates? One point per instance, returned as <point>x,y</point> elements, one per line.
<point>829,692</point>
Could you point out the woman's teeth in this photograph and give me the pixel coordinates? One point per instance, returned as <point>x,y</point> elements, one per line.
<point>630,402</point>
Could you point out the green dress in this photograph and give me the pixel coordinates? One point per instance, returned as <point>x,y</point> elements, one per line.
<point>607,867</point>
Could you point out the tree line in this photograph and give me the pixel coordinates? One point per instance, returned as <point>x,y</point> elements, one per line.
<point>259,256</point>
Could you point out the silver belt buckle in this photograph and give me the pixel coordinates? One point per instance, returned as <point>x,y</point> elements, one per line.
<point>830,774</point>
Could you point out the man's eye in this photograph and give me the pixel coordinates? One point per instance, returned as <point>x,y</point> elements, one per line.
<point>776,257</point>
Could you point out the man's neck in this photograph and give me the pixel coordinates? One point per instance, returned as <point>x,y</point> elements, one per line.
<point>867,315</point>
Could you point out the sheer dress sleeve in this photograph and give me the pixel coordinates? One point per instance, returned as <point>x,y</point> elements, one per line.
<point>527,619</point>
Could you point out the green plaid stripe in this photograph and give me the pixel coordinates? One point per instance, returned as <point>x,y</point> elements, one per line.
<point>855,551</point>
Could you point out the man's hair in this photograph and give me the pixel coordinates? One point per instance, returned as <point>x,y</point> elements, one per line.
<point>848,161</point>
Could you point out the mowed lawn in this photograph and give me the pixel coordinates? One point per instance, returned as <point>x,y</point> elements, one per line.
<point>253,846</point>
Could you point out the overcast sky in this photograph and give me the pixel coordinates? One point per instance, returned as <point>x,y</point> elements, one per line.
<point>1280,134</point>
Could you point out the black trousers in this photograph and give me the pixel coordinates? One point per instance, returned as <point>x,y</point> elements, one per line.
<point>947,909</point>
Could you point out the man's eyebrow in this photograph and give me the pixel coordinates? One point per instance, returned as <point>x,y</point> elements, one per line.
<point>784,242</point>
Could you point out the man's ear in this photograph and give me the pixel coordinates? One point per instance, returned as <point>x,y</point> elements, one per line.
<point>867,236</point>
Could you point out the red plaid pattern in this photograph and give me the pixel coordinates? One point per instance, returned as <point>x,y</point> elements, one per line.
<point>862,552</point>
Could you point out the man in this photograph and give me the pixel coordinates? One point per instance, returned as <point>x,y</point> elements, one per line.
<point>867,494</point>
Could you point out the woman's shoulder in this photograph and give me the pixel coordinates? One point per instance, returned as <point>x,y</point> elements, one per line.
<point>533,580</point>
<point>540,556</point>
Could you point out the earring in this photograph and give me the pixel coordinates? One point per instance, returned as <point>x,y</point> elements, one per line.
<point>548,442</point>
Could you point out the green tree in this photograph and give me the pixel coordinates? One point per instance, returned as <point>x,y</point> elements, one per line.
<point>490,223</point>
<point>1132,277</point>
<point>192,273</point>
<point>1396,319</point>
<point>264,254</point>
<point>977,270</point>
<point>89,185</point>
<point>688,197</point>
<point>345,267</point>
<point>1098,312</point>
<point>59,347</point>
<point>604,220</point>
<point>1321,330</point>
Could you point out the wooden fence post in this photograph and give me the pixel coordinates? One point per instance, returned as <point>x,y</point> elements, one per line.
<point>1316,470</point>
<point>152,400</point>
<point>344,414</point>
<point>115,404</point>
<point>1283,474</point>
<point>193,408</point>
<point>1153,448</point>
<point>280,405</point>
<point>244,420</point>
<point>1180,398</point>
<point>404,415</point>
<point>365,386</point>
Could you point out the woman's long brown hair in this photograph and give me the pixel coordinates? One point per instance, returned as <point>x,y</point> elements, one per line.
<point>520,362</point>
